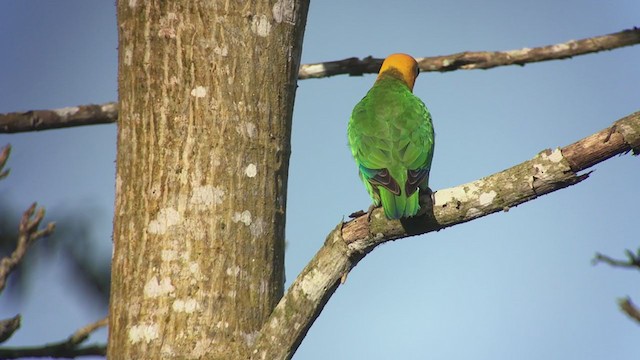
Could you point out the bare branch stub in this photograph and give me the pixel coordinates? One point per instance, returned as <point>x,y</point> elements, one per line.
<point>630,309</point>
<point>8,327</point>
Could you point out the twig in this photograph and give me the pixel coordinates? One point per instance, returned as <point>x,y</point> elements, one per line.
<point>64,349</point>
<point>27,234</point>
<point>349,242</point>
<point>108,113</point>
<point>8,327</point>
<point>633,261</point>
<point>4,156</point>
<point>629,308</point>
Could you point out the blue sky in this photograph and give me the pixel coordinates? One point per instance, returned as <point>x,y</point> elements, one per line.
<point>512,285</point>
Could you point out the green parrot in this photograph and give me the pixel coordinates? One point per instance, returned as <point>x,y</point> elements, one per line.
<point>391,138</point>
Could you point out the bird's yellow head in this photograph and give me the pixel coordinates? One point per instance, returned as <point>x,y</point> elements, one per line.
<point>404,66</point>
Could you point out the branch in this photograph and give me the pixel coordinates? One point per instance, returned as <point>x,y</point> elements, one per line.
<point>108,113</point>
<point>28,233</point>
<point>4,156</point>
<point>469,60</point>
<point>37,120</point>
<point>8,327</point>
<point>64,349</point>
<point>349,242</point>
<point>633,261</point>
<point>630,309</point>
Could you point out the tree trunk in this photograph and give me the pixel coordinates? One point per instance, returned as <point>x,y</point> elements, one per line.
<point>206,92</point>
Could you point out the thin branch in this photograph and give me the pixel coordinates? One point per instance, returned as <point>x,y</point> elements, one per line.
<point>4,156</point>
<point>470,60</point>
<point>68,348</point>
<point>630,309</point>
<point>37,120</point>
<point>28,233</point>
<point>349,242</point>
<point>8,327</point>
<point>108,113</point>
<point>633,261</point>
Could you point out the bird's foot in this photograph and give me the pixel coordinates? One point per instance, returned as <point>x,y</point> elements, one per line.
<point>370,211</point>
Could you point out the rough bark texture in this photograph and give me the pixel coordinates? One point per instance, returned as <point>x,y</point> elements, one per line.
<point>206,92</point>
<point>346,245</point>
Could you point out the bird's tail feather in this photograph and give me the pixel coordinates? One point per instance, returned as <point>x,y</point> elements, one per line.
<point>398,206</point>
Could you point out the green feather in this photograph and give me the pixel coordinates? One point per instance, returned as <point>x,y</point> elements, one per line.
<point>391,139</point>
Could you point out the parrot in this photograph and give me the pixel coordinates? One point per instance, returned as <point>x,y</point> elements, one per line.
<point>391,138</point>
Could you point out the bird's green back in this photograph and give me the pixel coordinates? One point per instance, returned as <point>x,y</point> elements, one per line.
<point>391,138</point>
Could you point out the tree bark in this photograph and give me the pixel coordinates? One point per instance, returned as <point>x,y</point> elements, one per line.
<point>206,91</point>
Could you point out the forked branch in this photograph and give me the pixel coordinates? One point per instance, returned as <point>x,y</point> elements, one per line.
<point>28,233</point>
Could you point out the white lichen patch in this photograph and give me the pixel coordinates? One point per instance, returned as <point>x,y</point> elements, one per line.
<point>261,26</point>
<point>311,70</point>
<point>555,156</point>
<point>67,111</point>
<point>222,51</point>
<point>444,196</point>
<point>472,213</point>
<point>251,129</point>
<point>199,91</point>
<point>244,217</point>
<point>143,333</point>
<point>109,107</point>
<point>187,305</point>
<point>257,228</point>
<point>165,219</point>
<point>519,52</point>
<point>132,3</point>
<point>247,129</point>
<point>222,325</point>
<point>168,255</point>
<point>283,10</point>
<point>154,288</point>
<point>128,55</point>
<point>194,268</point>
<point>312,283</point>
<point>233,270</point>
<point>203,195</point>
<point>560,47</point>
<point>250,338</point>
<point>487,198</point>
<point>251,170</point>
